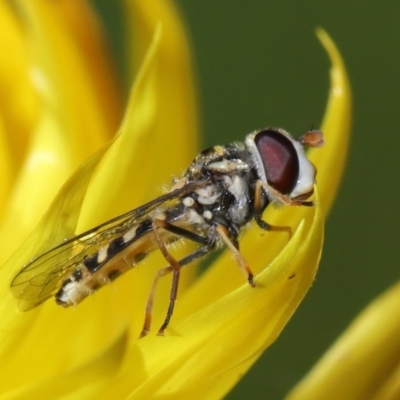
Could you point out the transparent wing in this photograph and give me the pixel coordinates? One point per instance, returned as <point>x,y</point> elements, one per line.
<point>42,277</point>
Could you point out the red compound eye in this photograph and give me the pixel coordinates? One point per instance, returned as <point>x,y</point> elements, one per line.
<point>279,158</point>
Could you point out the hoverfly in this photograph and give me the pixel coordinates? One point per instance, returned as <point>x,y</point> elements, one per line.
<point>223,189</point>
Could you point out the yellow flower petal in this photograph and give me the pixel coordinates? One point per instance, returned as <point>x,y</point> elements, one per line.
<point>49,162</point>
<point>71,122</point>
<point>336,126</point>
<point>7,165</point>
<point>364,362</point>
<point>19,105</point>
<point>69,80</point>
<point>84,382</point>
<point>176,108</point>
<point>18,102</point>
<point>88,37</point>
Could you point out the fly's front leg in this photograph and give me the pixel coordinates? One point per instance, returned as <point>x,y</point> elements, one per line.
<point>258,211</point>
<point>286,200</point>
<point>174,267</point>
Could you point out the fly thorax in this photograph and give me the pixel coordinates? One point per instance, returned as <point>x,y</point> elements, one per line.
<point>239,209</point>
<point>208,195</point>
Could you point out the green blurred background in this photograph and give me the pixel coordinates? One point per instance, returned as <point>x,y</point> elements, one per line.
<point>259,63</point>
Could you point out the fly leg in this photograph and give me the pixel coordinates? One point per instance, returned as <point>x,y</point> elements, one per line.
<point>286,200</point>
<point>150,301</point>
<point>233,246</point>
<point>165,271</point>
<point>258,211</point>
<point>174,267</point>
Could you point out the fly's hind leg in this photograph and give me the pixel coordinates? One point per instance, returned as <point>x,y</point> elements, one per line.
<point>174,267</point>
<point>150,300</point>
